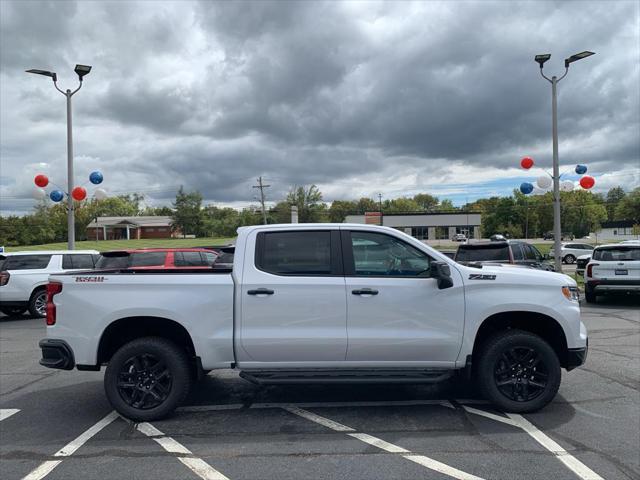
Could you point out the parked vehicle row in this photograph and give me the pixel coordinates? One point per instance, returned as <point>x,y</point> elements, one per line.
<point>24,275</point>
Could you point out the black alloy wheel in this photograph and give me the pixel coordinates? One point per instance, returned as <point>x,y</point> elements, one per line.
<point>520,374</point>
<point>38,303</point>
<point>144,381</point>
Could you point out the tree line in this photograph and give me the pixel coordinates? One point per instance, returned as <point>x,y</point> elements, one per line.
<point>516,215</point>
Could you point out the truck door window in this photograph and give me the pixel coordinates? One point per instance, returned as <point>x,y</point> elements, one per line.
<point>295,253</point>
<point>147,259</point>
<point>518,255</point>
<point>188,259</point>
<point>377,255</point>
<point>70,261</point>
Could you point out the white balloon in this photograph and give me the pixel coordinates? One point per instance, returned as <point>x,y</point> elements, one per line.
<point>100,194</point>
<point>544,181</point>
<point>39,193</point>
<point>567,186</point>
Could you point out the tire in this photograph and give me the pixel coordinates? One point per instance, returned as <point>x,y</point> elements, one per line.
<point>154,366</point>
<point>38,303</point>
<point>501,355</point>
<point>590,297</point>
<point>13,311</point>
<point>569,259</point>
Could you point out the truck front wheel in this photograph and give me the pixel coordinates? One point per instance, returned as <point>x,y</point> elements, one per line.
<point>147,378</point>
<point>518,371</point>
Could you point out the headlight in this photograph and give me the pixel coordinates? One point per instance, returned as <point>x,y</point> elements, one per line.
<point>571,293</point>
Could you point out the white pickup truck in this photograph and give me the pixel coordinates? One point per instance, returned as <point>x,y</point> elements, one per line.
<point>318,303</point>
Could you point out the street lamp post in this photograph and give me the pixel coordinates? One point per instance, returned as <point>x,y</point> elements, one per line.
<point>81,70</point>
<point>557,229</point>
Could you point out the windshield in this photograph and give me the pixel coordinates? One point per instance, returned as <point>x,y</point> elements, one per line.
<point>618,253</point>
<point>482,253</point>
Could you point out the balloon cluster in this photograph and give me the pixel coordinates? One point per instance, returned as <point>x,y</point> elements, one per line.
<point>78,193</point>
<point>544,182</point>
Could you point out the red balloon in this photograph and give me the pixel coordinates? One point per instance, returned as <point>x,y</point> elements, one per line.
<point>41,180</point>
<point>587,182</point>
<point>79,193</point>
<point>526,163</point>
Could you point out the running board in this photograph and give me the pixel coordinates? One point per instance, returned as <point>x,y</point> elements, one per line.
<point>263,377</point>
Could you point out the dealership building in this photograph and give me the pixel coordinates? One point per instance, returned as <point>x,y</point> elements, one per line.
<point>425,226</point>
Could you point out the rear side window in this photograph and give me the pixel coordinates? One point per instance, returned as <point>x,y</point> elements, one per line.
<point>483,254</point>
<point>188,259</point>
<point>26,262</point>
<point>295,253</point>
<point>72,261</point>
<point>620,254</point>
<point>148,259</point>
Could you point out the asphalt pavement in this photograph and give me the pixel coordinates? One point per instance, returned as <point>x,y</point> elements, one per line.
<point>58,425</point>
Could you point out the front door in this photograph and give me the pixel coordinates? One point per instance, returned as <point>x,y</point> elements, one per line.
<point>396,313</point>
<point>293,305</point>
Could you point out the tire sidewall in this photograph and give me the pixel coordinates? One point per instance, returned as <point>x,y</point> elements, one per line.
<point>32,302</point>
<point>177,363</point>
<point>494,349</point>
<point>569,259</point>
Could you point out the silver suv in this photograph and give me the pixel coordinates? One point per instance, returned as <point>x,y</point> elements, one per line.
<point>569,252</point>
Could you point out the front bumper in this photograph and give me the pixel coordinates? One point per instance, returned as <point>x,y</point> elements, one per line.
<point>577,356</point>
<point>56,354</point>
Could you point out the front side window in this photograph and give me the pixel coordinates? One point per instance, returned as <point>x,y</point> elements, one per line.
<point>26,262</point>
<point>376,255</point>
<point>188,259</point>
<point>518,254</point>
<point>295,253</point>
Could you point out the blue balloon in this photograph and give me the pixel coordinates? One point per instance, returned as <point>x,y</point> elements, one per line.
<point>56,195</point>
<point>96,178</point>
<point>526,188</point>
<point>581,169</point>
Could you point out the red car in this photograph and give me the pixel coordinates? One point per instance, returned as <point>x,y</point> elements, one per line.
<point>158,258</point>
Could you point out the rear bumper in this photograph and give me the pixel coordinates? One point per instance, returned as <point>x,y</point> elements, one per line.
<point>611,286</point>
<point>577,356</point>
<point>56,354</point>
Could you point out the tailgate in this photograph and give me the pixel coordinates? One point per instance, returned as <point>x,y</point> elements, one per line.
<point>620,262</point>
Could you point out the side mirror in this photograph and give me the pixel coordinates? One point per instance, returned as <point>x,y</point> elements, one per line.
<point>442,273</point>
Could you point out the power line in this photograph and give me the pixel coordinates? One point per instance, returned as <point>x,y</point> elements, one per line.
<point>262,186</point>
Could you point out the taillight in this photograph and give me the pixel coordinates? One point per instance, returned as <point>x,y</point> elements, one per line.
<point>4,278</point>
<point>53,288</point>
<point>590,269</point>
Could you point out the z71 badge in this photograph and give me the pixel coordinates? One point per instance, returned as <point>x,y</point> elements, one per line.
<point>479,276</point>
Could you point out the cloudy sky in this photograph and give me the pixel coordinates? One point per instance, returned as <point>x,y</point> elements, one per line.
<point>356,97</point>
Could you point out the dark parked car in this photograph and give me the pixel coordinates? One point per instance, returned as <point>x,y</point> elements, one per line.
<point>563,236</point>
<point>511,251</point>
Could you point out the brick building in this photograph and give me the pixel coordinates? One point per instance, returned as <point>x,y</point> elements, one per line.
<point>125,228</point>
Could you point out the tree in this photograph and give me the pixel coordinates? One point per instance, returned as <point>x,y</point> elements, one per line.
<point>309,203</point>
<point>340,209</point>
<point>187,212</point>
<point>629,207</point>
<point>446,205</point>
<point>426,202</point>
<point>614,197</point>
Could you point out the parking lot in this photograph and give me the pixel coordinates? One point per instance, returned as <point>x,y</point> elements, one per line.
<point>58,425</point>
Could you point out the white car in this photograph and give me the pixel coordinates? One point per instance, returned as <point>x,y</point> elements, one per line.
<point>613,268</point>
<point>318,303</point>
<point>459,237</point>
<point>569,252</point>
<point>24,277</point>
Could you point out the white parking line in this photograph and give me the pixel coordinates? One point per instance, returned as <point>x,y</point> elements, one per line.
<point>7,412</point>
<point>196,465</point>
<point>427,462</point>
<point>69,449</point>
<point>515,420</point>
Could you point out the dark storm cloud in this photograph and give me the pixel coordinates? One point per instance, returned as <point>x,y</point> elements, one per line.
<point>212,94</point>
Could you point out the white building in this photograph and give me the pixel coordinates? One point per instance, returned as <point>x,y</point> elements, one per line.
<point>425,226</point>
<point>616,231</point>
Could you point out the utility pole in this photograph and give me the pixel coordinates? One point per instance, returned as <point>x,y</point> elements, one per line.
<point>262,186</point>
<point>380,208</point>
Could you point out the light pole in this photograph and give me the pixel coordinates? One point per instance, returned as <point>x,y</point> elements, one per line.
<point>81,70</point>
<point>557,230</point>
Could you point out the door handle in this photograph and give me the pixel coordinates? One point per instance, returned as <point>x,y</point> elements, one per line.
<point>260,291</point>
<point>365,291</point>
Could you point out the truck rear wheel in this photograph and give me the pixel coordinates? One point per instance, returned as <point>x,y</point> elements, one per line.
<point>518,371</point>
<point>147,378</point>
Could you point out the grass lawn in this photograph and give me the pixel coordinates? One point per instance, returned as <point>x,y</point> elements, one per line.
<point>104,245</point>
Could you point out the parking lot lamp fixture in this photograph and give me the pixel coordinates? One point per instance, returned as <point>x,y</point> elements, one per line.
<point>81,70</point>
<point>557,230</point>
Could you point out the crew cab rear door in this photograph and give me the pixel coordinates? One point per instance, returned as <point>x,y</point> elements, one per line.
<point>396,313</point>
<point>292,299</point>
